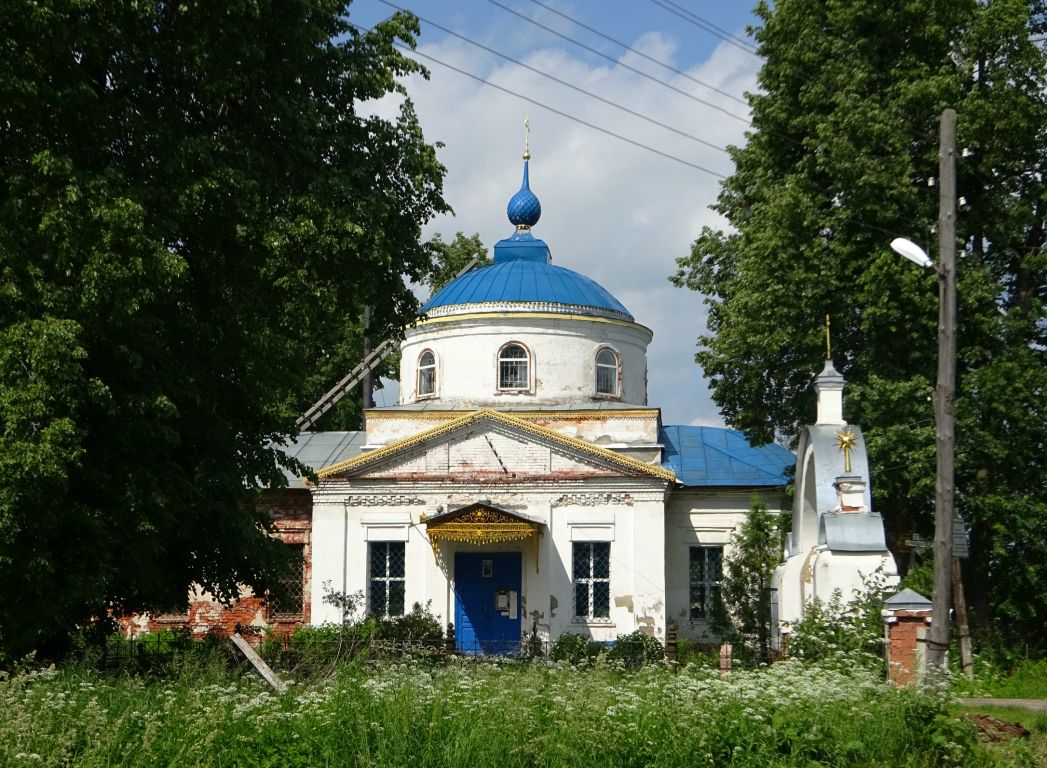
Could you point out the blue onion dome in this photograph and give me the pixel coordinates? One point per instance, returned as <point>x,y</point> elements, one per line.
<point>524,210</point>
<point>523,276</point>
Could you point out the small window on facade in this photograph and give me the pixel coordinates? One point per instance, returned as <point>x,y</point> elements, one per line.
<point>606,372</point>
<point>287,598</point>
<point>387,585</point>
<point>426,374</point>
<point>513,367</point>
<point>592,579</point>
<point>706,568</point>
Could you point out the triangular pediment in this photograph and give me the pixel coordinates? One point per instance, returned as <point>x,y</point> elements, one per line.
<point>488,444</point>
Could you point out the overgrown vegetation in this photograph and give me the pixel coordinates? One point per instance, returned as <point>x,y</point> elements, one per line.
<point>850,631</point>
<point>467,714</point>
<point>743,613</point>
<point>310,649</point>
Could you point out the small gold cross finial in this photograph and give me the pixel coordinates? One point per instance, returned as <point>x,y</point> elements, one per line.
<point>828,345</point>
<point>527,138</point>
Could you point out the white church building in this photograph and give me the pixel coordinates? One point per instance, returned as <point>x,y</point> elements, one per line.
<point>523,487</point>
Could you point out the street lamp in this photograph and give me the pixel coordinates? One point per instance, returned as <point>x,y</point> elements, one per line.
<point>944,391</point>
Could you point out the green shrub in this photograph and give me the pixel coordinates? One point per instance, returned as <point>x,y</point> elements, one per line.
<point>575,649</point>
<point>417,630</point>
<point>851,632</point>
<point>636,649</point>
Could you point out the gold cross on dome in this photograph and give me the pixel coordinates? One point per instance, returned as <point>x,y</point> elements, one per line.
<point>527,138</point>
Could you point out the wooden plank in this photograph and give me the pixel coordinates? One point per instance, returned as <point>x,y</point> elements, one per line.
<point>263,669</point>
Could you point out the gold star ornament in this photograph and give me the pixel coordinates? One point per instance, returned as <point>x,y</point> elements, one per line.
<point>846,440</point>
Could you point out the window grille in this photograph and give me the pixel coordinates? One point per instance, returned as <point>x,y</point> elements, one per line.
<point>426,374</point>
<point>706,570</point>
<point>513,364</point>
<point>388,561</point>
<point>592,579</point>
<point>287,598</point>
<point>606,372</point>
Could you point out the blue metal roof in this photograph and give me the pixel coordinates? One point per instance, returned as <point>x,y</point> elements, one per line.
<point>519,280</point>
<point>714,456</point>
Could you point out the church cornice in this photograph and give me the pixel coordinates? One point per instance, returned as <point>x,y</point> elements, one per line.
<point>497,417</point>
<point>527,311</point>
<point>536,415</point>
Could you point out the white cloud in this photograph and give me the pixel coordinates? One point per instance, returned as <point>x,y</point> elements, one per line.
<point>612,211</point>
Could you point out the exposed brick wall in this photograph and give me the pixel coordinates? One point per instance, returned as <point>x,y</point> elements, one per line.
<point>291,511</point>
<point>906,645</point>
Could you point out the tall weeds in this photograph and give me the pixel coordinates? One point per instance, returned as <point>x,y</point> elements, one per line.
<point>468,714</point>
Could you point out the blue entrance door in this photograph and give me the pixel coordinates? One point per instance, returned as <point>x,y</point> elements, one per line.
<point>487,602</point>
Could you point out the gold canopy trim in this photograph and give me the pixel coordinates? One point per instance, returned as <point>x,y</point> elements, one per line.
<point>479,524</point>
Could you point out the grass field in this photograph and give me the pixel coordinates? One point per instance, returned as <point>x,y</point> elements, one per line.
<point>469,714</point>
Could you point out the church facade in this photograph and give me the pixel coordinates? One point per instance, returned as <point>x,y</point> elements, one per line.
<point>523,487</point>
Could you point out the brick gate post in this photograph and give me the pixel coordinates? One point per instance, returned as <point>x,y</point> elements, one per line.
<point>906,618</point>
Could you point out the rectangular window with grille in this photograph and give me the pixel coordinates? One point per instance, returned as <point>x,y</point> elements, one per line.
<point>592,579</point>
<point>706,569</point>
<point>287,598</point>
<point>387,582</point>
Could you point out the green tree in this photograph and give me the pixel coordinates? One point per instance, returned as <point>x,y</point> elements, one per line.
<point>745,588</point>
<point>837,163</point>
<point>194,208</point>
<point>451,258</point>
<point>446,261</point>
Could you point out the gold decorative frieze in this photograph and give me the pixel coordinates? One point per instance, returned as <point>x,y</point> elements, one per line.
<point>478,524</point>
<point>573,415</point>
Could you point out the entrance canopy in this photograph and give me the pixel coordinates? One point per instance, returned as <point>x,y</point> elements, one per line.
<point>481,524</point>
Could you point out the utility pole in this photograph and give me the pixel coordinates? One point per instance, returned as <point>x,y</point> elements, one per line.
<point>944,397</point>
<point>367,385</point>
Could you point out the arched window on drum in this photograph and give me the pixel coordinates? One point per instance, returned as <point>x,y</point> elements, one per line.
<point>426,374</point>
<point>608,366</point>
<point>514,368</point>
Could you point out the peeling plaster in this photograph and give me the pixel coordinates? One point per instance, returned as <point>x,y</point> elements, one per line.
<point>624,601</point>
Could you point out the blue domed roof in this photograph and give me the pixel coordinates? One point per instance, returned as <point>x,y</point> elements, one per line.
<point>526,281</point>
<point>522,273</point>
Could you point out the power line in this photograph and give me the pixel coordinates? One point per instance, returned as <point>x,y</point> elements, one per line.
<point>617,63</point>
<point>707,25</point>
<point>629,48</point>
<point>593,126</point>
<point>664,84</point>
<point>407,49</point>
<point>564,83</point>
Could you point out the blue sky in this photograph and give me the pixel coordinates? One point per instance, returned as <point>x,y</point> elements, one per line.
<point>615,211</point>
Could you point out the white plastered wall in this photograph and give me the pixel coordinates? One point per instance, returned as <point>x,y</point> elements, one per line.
<point>563,358</point>
<point>627,512</point>
<point>703,518</point>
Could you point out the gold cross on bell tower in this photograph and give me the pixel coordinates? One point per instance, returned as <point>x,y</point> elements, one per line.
<point>527,138</point>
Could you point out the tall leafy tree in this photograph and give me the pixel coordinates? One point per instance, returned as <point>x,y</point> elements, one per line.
<point>838,162</point>
<point>744,614</point>
<point>193,207</point>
